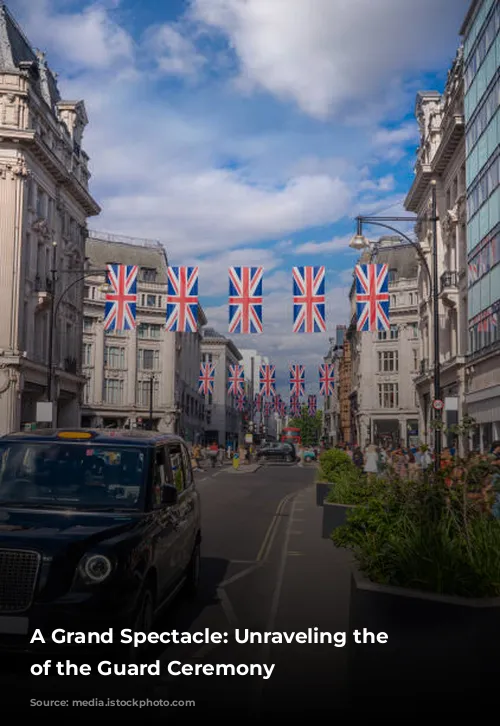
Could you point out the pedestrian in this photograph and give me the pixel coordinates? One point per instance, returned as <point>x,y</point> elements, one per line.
<point>371,461</point>
<point>213,453</point>
<point>357,458</point>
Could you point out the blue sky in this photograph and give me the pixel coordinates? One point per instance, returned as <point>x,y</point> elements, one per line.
<point>249,131</point>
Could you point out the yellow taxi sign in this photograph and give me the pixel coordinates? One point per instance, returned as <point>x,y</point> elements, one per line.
<point>74,435</point>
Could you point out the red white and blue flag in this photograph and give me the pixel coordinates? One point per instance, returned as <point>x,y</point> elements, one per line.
<point>282,409</point>
<point>245,300</point>
<point>241,403</point>
<point>182,300</point>
<point>121,300</point>
<point>311,405</point>
<point>309,300</point>
<point>294,406</point>
<point>297,380</point>
<point>326,379</point>
<point>276,403</point>
<point>236,380</point>
<point>267,409</point>
<point>267,380</point>
<point>372,297</point>
<point>206,378</point>
<point>258,402</point>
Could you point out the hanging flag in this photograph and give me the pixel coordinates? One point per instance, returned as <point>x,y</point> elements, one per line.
<point>282,409</point>
<point>297,380</point>
<point>206,378</point>
<point>182,300</point>
<point>121,300</point>
<point>267,409</point>
<point>372,297</point>
<point>258,402</point>
<point>311,405</point>
<point>241,403</point>
<point>326,379</point>
<point>294,406</point>
<point>309,300</point>
<point>267,380</point>
<point>236,380</point>
<point>276,403</point>
<point>245,300</point>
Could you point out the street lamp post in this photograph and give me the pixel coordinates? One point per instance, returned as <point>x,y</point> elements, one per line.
<point>359,242</point>
<point>151,393</point>
<point>54,307</point>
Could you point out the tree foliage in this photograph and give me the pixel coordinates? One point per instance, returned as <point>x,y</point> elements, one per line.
<point>310,426</point>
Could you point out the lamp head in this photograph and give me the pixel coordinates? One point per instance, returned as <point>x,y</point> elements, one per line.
<point>359,242</point>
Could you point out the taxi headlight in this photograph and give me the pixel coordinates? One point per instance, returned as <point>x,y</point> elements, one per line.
<point>95,568</point>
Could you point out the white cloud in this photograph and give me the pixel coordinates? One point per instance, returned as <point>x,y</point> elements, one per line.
<point>174,53</point>
<point>320,248</point>
<point>392,144</point>
<point>214,279</point>
<point>326,54</point>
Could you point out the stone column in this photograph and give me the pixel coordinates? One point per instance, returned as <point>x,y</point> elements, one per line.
<point>99,362</point>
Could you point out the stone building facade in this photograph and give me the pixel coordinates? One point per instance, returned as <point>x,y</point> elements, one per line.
<point>384,363</point>
<point>441,161</point>
<point>331,404</point>
<point>224,424</point>
<point>123,368</point>
<point>45,202</point>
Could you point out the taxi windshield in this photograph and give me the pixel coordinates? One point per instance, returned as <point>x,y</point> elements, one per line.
<point>73,475</point>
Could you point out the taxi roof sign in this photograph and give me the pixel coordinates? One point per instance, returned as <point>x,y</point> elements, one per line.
<point>74,435</point>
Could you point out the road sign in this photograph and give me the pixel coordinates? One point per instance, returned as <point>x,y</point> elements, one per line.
<point>437,404</point>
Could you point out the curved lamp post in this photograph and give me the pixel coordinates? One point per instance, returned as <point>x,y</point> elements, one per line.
<point>360,242</point>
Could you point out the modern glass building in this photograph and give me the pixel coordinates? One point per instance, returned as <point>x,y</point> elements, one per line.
<point>481,37</point>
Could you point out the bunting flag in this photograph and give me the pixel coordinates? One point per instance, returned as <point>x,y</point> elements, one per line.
<point>282,410</point>
<point>121,301</point>
<point>372,297</point>
<point>241,403</point>
<point>297,380</point>
<point>276,403</point>
<point>309,300</point>
<point>267,409</point>
<point>326,379</point>
<point>245,300</point>
<point>258,402</point>
<point>267,380</point>
<point>182,300</point>
<point>294,406</point>
<point>206,379</point>
<point>311,405</point>
<point>236,380</point>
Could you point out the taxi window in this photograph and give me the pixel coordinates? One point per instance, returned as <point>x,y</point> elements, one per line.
<point>177,466</point>
<point>159,476</point>
<point>187,467</point>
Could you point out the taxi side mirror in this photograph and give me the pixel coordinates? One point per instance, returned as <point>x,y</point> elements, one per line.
<point>168,495</point>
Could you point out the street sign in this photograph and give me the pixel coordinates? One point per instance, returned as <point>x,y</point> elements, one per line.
<point>248,438</point>
<point>44,412</point>
<point>437,404</point>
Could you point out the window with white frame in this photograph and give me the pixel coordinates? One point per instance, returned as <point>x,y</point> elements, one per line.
<point>149,330</point>
<point>114,357</point>
<point>388,361</point>
<point>143,396</point>
<point>87,354</point>
<point>415,359</point>
<point>388,395</point>
<point>148,359</point>
<point>113,391</point>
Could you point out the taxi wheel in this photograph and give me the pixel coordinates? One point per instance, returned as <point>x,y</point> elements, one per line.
<point>193,573</point>
<point>143,623</point>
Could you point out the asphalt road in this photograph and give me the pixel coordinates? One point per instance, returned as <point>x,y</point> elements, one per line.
<point>265,567</point>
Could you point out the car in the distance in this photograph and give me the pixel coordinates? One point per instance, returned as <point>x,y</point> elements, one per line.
<point>279,451</point>
<point>98,529</point>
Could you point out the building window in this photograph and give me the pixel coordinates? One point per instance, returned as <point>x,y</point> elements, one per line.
<point>415,359</point>
<point>388,395</point>
<point>388,361</point>
<point>88,324</point>
<point>413,327</point>
<point>393,301</point>
<point>149,330</point>
<point>151,301</point>
<point>207,358</point>
<point>87,354</point>
<point>87,391</point>
<point>144,392</point>
<point>148,359</point>
<point>113,391</point>
<point>411,298</point>
<point>148,274</point>
<point>394,332</point>
<point>114,357</point>
<point>393,273</point>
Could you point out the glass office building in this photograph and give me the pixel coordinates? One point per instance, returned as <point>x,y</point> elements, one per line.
<point>481,38</point>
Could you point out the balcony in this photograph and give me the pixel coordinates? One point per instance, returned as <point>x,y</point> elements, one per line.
<point>448,290</point>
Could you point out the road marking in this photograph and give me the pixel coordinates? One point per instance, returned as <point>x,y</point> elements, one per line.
<point>242,562</point>
<point>299,519</point>
<point>296,531</point>
<point>295,554</point>
<point>269,536</point>
<point>227,607</point>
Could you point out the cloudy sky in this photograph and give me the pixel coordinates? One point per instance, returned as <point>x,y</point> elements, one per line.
<point>249,131</point>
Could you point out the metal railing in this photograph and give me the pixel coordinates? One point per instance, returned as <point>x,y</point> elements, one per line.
<point>449,279</point>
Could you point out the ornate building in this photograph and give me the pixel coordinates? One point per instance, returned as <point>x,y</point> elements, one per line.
<point>45,203</point>
<point>441,161</point>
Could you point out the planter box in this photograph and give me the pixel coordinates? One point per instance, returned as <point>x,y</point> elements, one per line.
<point>438,646</point>
<point>334,515</point>
<point>322,489</point>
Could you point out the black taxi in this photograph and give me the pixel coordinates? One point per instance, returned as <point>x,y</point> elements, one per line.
<point>98,529</point>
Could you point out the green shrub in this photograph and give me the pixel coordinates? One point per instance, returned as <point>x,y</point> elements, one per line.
<point>332,462</point>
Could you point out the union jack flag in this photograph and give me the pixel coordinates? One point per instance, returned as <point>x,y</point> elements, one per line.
<point>267,409</point>
<point>267,379</point>
<point>326,379</point>
<point>282,410</point>
<point>294,406</point>
<point>241,402</point>
<point>236,380</point>
<point>206,379</point>
<point>245,300</point>
<point>258,402</point>
<point>276,403</point>
<point>311,405</point>
<point>309,300</point>
<point>182,300</point>
<point>372,297</point>
<point>121,301</point>
<point>297,380</point>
